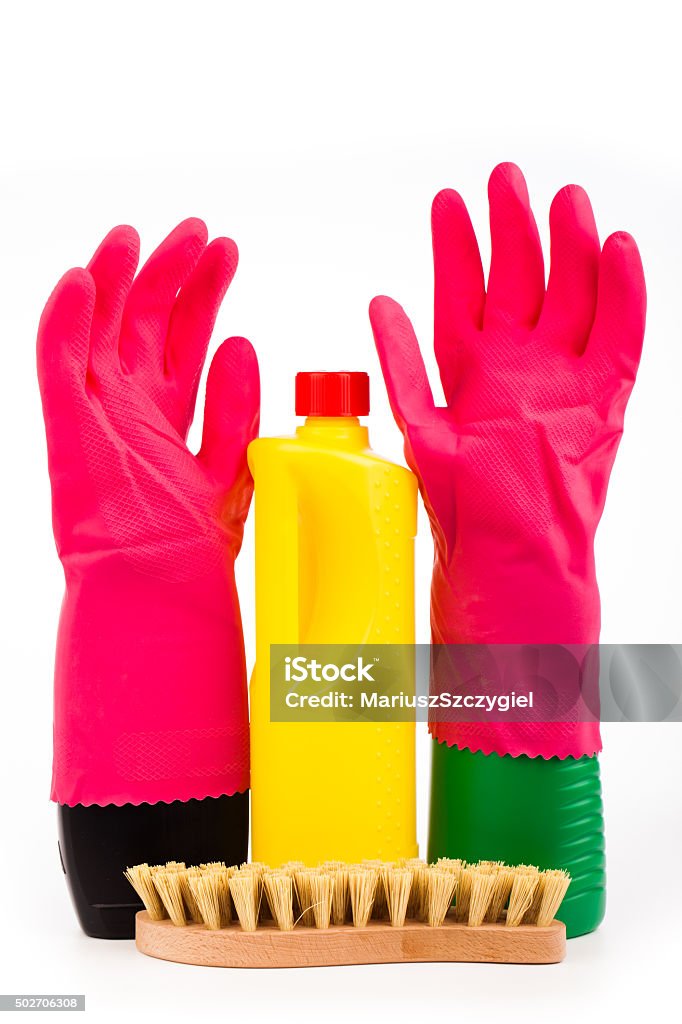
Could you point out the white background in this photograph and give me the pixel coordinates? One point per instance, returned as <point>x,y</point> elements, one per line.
<point>316,134</point>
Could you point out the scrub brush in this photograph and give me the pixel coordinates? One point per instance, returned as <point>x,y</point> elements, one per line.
<point>254,915</point>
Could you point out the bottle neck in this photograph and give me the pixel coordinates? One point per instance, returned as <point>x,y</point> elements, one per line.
<point>337,431</point>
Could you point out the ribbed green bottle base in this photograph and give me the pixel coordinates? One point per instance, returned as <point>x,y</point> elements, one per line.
<point>524,810</point>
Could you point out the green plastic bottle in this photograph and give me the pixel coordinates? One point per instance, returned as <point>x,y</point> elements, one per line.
<point>524,810</point>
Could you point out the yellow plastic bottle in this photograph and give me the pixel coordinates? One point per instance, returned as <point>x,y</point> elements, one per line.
<point>335,528</point>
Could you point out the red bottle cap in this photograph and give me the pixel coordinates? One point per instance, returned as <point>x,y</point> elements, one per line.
<point>332,394</point>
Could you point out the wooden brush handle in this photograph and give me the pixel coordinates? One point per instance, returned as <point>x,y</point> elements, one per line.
<point>378,943</point>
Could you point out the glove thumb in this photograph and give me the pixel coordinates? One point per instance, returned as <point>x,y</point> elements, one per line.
<point>402,365</point>
<point>231,415</point>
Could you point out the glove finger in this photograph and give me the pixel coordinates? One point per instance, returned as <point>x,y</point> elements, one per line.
<point>63,343</point>
<point>231,416</point>
<point>152,296</point>
<point>615,344</point>
<point>516,285</point>
<point>569,306</point>
<point>459,285</point>
<point>407,383</point>
<point>192,321</point>
<point>112,268</point>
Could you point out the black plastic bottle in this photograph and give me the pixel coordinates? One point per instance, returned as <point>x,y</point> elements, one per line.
<point>97,844</point>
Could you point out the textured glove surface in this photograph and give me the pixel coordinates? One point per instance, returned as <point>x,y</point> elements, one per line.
<point>150,689</point>
<point>514,470</point>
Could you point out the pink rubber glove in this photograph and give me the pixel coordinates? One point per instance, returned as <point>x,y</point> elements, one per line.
<point>150,687</point>
<point>514,470</point>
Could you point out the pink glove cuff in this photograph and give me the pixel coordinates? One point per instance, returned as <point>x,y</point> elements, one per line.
<point>535,739</point>
<point>159,713</point>
<point>492,602</point>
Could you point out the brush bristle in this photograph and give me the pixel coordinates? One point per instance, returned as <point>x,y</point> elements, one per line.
<point>449,864</point>
<point>440,890</point>
<point>555,886</point>
<point>397,886</point>
<point>191,905</point>
<point>322,884</point>
<point>420,884</point>
<point>362,884</point>
<point>211,890</point>
<point>279,891</point>
<point>523,888</point>
<point>463,894</point>
<point>380,906</point>
<point>167,883</point>
<point>482,888</point>
<point>142,880</point>
<point>504,877</point>
<point>340,895</point>
<point>244,890</point>
<point>304,895</point>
